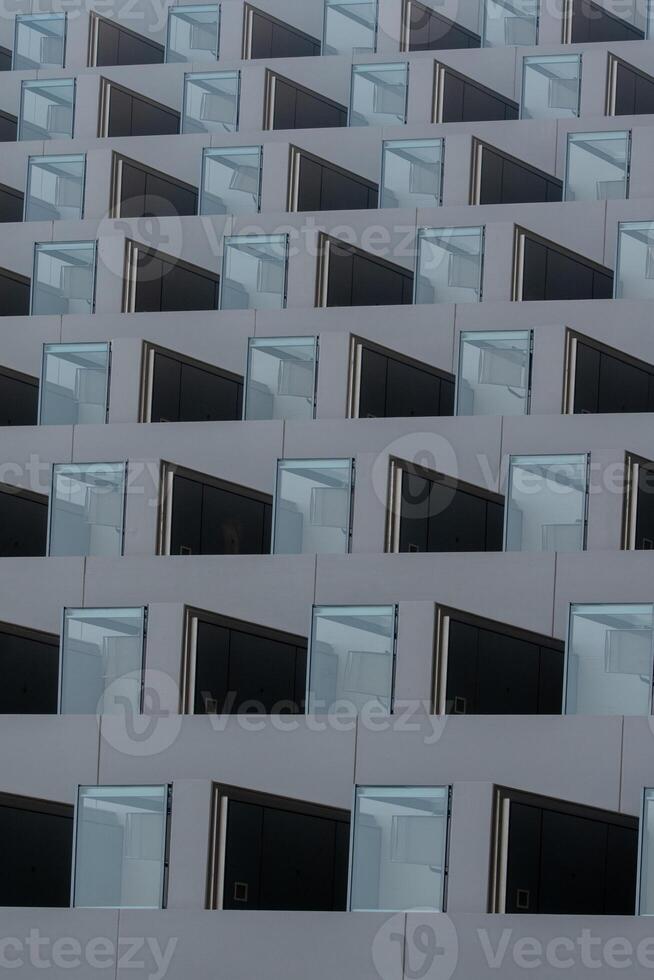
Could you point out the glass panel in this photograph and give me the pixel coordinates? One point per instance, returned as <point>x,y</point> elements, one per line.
<point>40,41</point>
<point>64,277</point>
<point>635,265</point>
<point>254,273</point>
<point>231,180</point>
<point>281,378</point>
<point>510,22</point>
<point>551,86</point>
<point>352,658</point>
<point>102,651</point>
<point>74,384</point>
<point>211,102</point>
<point>55,188</point>
<point>379,94</point>
<point>493,374</point>
<point>86,509</point>
<point>597,166</point>
<point>546,505</point>
<point>350,27</point>
<point>46,109</point>
<point>399,848</point>
<point>412,172</point>
<point>193,33</point>
<point>609,660</point>
<point>646,886</point>
<point>120,847</point>
<point>449,265</point>
<point>312,506</point>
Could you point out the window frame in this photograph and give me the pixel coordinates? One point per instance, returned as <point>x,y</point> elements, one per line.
<point>633,465</point>
<point>221,794</point>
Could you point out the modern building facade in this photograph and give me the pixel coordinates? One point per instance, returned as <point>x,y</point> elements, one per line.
<point>325,631</point>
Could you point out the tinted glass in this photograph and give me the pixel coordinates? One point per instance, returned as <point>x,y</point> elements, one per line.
<point>212,520</point>
<point>549,273</point>
<point>321,187</point>
<point>183,392</point>
<point>505,181</point>
<point>270,38</point>
<point>466,101</point>
<point>430,31</point>
<point>298,108</point>
<point>130,115</point>
<point>116,46</point>
<point>634,92</point>
<point>399,848</point>
<point>606,383</point>
<point>55,188</point>
<point>163,284</point>
<point>14,294</point>
<point>591,22</point>
<point>74,384</point>
<point>358,279</point>
<point>435,516</point>
<point>11,204</point>
<point>143,193</point>
<point>19,399</point>
<point>30,671</point>
<point>397,389</point>
<point>120,847</point>
<point>24,524</point>
<point>37,855</point>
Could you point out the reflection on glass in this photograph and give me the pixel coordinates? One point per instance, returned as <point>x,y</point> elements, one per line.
<point>635,265</point>
<point>211,102</point>
<point>193,32</point>
<point>254,273</point>
<point>399,848</point>
<point>55,188</point>
<point>597,166</point>
<point>281,378</point>
<point>609,660</point>
<point>231,180</point>
<point>412,172</point>
<point>493,374</point>
<point>102,654</point>
<point>646,880</point>
<point>379,94</point>
<point>546,503</point>
<point>352,657</point>
<point>508,22</point>
<point>551,86</point>
<point>39,41</point>
<point>120,847</point>
<point>449,265</point>
<point>86,509</point>
<point>64,277</point>
<point>350,27</point>
<point>312,506</point>
<point>74,383</point>
<point>46,109</point>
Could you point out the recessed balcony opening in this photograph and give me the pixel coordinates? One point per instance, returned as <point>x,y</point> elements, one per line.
<point>138,191</point>
<point>318,185</point>
<point>37,839</point>
<point>157,283</point>
<point>544,270</point>
<point>385,384</point>
<point>182,389</point>
<point>113,44</point>
<point>289,105</point>
<point>498,178</point>
<point>458,98</point>
<point>127,113</point>
<point>427,30</point>
<point>601,379</point>
<point>23,522</point>
<point>30,668</point>
<point>265,36</point>
<point>348,276</point>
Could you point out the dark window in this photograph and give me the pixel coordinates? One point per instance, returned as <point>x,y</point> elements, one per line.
<point>8,128</point>
<point>644,531</point>
<point>37,848</point>
<point>496,670</point>
<point>429,31</point>
<point>284,855</point>
<point>11,204</point>
<point>166,284</point>
<point>550,273</point>
<point>242,668</point>
<point>606,381</point>
<point>272,38</point>
<point>505,180</point>
<point>14,294</point>
<point>323,187</point>
<point>295,107</point>
<point>466,101</point>
<point>356,278</point>
<point>570,861</point>
<point>130,114</point>
<point>29,663</point>
<point>440,514</point>
<point>590,22</point>
<point>5,59</point>
<point>118,46</point>
<point>390,387</point>
<point>186,391</point>
<point>634,91</point>
<point>148,193</point>
<point>212,518</point>
<point>19,398</point>
<point>23,523</point>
